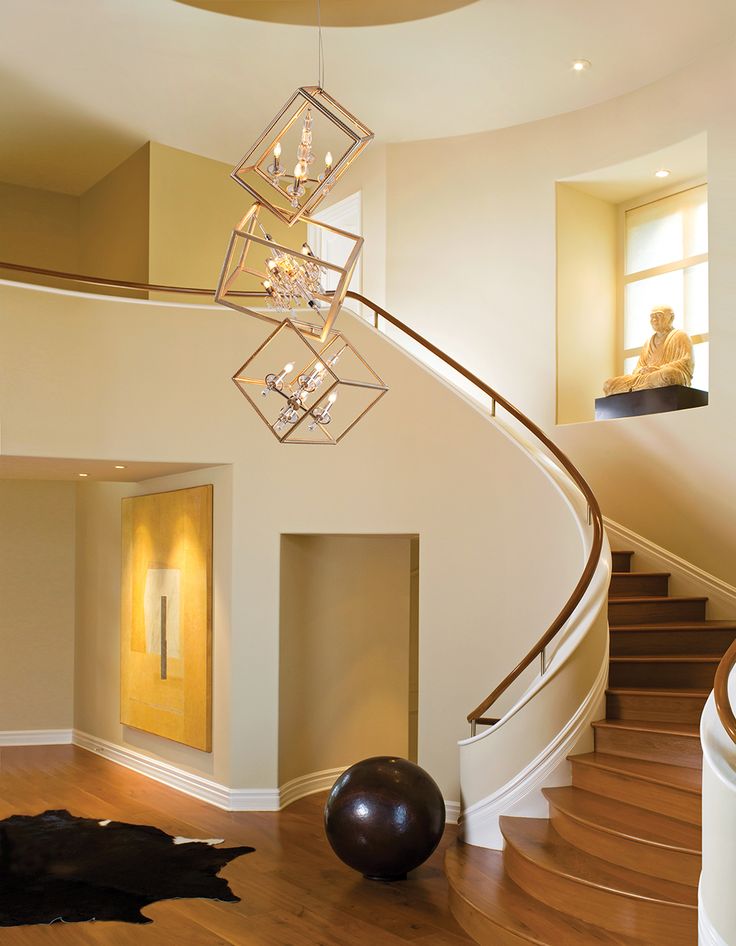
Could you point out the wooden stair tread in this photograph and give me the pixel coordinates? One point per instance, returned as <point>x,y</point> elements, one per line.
<point>689,730</point>
<point>649,599</point>
<point>622,552</point>
<point>666,658</point>
<point>676,776</point>
<point>477,876</point>
<point>657,692</point>
<point>537,841</point>
<point>616,817</point>
<point>677,626</point>
<point>644,574</point>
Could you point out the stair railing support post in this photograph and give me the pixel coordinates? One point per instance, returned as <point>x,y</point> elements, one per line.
<point>473,725</point>
<point>543,661</point>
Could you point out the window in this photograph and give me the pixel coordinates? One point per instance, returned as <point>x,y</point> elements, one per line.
<point>666,263</point>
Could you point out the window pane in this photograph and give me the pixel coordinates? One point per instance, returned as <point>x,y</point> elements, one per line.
<point>630,363</point>
<point>697,236</point>
<point>701,354</point>
<point>696,299</point>
<point>654,236</point>
<point>642,296</point>
<point>667,230</point>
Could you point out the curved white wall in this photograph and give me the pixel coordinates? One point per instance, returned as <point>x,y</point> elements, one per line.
<point>717,908</point>
<point>96,377</point>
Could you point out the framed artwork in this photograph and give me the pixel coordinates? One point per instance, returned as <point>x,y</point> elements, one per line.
<point>166,615</point>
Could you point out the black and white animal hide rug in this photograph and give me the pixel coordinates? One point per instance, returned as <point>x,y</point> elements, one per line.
<point>54,866</point>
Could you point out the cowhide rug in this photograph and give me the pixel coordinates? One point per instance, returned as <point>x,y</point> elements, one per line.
<point>54,866</point>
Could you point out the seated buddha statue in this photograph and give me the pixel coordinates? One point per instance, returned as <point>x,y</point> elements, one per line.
<point>666,358</point>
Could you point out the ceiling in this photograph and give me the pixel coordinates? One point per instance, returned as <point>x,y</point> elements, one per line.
<point>86,82</point>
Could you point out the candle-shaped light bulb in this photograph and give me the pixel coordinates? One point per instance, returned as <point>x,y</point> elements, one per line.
<point>288,367</point>
<point>267,285</point>
<point>299,171</point>
<point>277,151</point>
<point>271,264</point>
<point>328,161</point>
<point>332,398</point>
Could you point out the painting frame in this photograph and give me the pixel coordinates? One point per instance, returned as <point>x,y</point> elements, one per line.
<point>166,615</point>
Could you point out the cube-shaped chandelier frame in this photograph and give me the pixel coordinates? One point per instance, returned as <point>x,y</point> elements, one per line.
<point>333,378</point>
<point>236,263</point>
<point>305,97</point>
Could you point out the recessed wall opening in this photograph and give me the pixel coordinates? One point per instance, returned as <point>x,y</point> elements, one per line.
<point>348,668</point>
<point>630,239</point>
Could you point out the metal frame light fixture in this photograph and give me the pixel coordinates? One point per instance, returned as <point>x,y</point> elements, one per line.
<point>293,279</point>
<point>265,171</point>
<point>318,395</point>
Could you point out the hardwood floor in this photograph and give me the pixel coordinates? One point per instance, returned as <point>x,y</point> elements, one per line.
<point>293,890</point>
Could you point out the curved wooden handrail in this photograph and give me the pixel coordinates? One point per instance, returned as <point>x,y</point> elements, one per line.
<point>720,690</point>
<point>595,516</point>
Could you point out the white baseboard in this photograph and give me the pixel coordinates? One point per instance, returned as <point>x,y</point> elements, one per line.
<point>708,935</point>
<point>35,737</point>
<point>309,784</point>
<point>242,799</point>
<point>687,579</point>
<point>452,812</point>
<point>230,799</point>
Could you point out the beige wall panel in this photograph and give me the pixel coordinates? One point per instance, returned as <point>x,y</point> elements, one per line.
<point>474,270</point>
<point>38,228</point>
<point>113,222</point>
<point>194,207</point>
<point>37,604</point>
<point>586,301</point>
<point>344,653</point>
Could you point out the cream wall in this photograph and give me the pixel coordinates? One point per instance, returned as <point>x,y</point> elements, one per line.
<point>587,253</point>
<point>113,222</point>
<point>474,269</point>
<point>446,473</point>
<point>37,605</point>
<point>39,228</point>
<point>194,207</point>
<point>344,651</point>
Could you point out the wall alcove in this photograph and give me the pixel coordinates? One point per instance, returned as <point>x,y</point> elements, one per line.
<point>629,237</point>
<point>348,667</point>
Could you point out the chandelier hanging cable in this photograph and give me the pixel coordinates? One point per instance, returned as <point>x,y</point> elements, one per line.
<point>320,49</point>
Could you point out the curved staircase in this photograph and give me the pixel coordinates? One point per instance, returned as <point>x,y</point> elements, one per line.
<point>618,860</point>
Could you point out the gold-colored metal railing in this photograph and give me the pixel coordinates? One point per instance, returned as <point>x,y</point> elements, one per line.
<point>496,400</point>
<point>720,690</point>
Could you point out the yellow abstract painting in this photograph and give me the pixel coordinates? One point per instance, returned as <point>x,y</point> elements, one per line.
<point>166,615</point>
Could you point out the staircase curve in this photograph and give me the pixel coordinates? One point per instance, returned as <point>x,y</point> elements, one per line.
<point>557,687</point>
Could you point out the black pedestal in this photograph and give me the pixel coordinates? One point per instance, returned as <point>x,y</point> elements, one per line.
<point>675,397</point>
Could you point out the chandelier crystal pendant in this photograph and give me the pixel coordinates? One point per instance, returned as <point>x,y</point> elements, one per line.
<point>293,279</point>
<point>308,394</point>
<point>310,119</point>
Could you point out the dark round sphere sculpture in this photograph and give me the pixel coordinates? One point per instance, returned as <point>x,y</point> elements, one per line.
<point>384,817</point>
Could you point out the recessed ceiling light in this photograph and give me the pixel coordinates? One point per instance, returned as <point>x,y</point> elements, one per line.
<point>580,65</point>
<point>119,466</point>
<point>662,172</point>
<point>82,474</point>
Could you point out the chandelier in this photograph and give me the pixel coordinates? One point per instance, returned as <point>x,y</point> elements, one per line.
<point>308,394</point>
<point>333,386</point>
<point>292,279</point>
<point>295,191</point>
